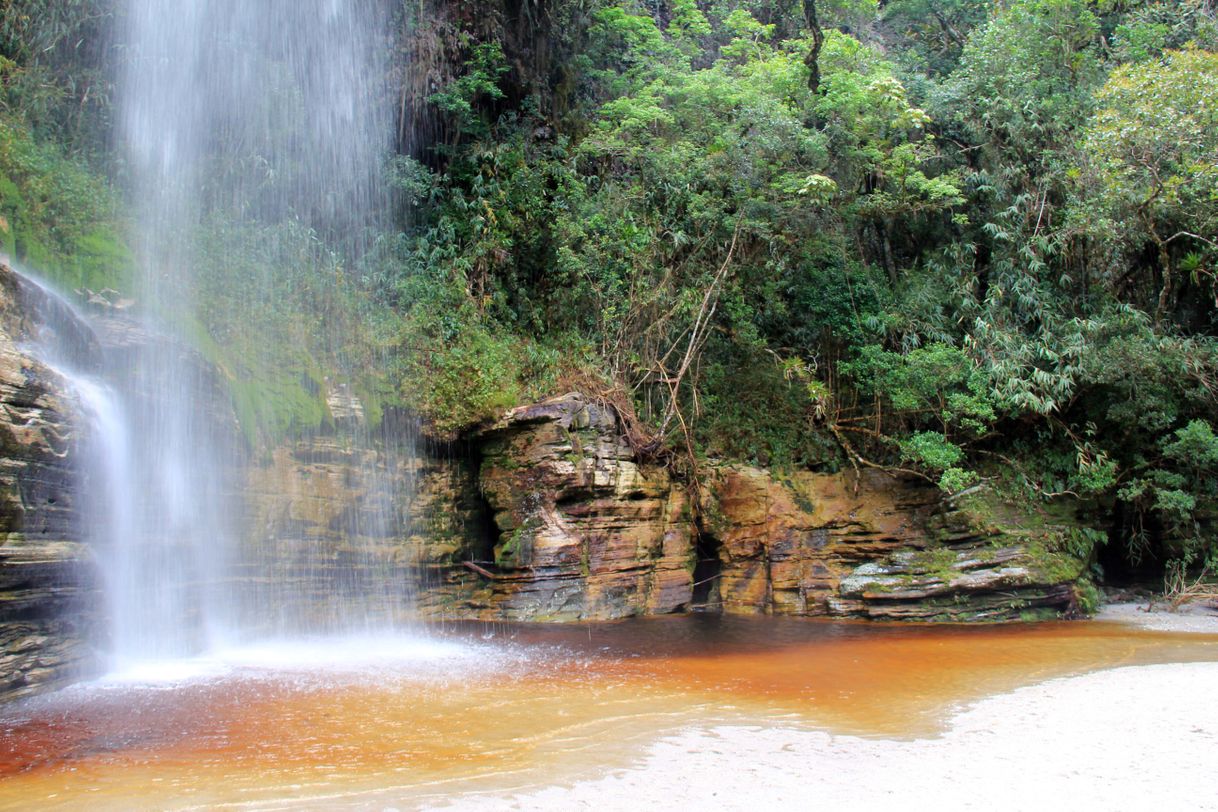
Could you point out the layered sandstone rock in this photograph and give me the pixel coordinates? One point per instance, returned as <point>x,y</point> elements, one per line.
<point>582,529</point>
<point>786,543</point>
<point>331,523</point>
<point>986,560</point>
<point>317,511</point>
<point>585,528</point>
<point>880,547</point>
<point>46,582</point>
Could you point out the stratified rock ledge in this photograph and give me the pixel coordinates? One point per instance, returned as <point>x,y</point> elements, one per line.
<point>583,529</point>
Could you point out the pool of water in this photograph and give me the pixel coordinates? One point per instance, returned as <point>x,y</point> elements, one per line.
<point>467,707</point>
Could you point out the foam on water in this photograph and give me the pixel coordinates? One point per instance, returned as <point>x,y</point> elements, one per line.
<point>321,658</point>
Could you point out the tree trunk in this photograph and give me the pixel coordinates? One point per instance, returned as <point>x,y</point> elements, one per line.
<point>812,60</point>
<point>1167,293</point>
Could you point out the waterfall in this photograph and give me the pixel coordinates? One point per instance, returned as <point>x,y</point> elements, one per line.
<point>264,111</point>
<point>144,606</point>
<point>256,116</point>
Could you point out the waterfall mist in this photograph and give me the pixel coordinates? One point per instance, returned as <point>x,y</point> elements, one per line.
<point>261,120</point>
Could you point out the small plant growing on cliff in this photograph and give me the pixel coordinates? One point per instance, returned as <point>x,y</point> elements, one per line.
<point>1087,597</point>
<point>956,479</point>
<point>458,374</point>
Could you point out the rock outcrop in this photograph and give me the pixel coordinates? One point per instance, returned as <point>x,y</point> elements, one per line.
<point>583,529</point>
<point>881,547</point>
<point>784,544</point>
<point>46,581</point>
<point>317,511</point>
<point>984,561</point>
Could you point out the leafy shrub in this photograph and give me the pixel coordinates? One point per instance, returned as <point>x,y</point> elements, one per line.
<point>457,372</point>
<point>58,217</point>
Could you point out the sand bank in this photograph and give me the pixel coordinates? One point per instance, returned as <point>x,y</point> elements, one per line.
<point>1128,738</point>
<point>1158,617</point>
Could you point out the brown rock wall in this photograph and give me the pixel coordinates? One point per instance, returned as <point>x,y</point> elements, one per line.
<point>46,581</point>
<point>582,529</point>
<point>585,529</point>
<point>880,547</point>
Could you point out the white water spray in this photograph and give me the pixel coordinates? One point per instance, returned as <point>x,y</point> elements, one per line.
<point>254,114</point>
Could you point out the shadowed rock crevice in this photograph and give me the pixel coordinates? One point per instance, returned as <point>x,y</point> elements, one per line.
<point>708,571</point>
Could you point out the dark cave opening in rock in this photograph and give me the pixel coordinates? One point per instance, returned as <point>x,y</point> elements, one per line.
<point>480,529</point>
<point>483,534</point>
<point>708,569</point>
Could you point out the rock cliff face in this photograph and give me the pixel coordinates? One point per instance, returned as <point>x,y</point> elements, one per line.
<point>582,529</point>
<point>332,524</point>
<point>881,548</point>
<point>784,545</point>
<point>316,511</point>
<point>546,515</point>
<point>46,581</point>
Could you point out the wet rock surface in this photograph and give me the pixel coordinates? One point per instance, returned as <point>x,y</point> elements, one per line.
<point>332,523</point>
<point>46,581</point>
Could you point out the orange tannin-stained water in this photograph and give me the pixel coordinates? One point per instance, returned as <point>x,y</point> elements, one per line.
<point>485,707</point>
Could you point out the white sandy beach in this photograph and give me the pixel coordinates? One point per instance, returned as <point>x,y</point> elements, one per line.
<point>1130,738</point>
<point>1192,618</point>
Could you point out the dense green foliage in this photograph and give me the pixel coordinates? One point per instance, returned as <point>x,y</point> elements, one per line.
<point>966,240</point>
<point>978,242</point>
<point>56,69</point>
<point>57,216</point>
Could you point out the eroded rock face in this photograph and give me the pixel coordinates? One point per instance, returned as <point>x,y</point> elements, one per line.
<point>582,529</point>
<point>785,544</point>
<point>986,561</point>
<point>890,548</point>
<point>331,522</point>
<point>585,529</point>
<point>47,587</point>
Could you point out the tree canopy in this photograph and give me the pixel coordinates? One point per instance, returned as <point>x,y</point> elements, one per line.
<point>969,241</point>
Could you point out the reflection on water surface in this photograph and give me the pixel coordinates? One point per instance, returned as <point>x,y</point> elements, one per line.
<point>473,705</point>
